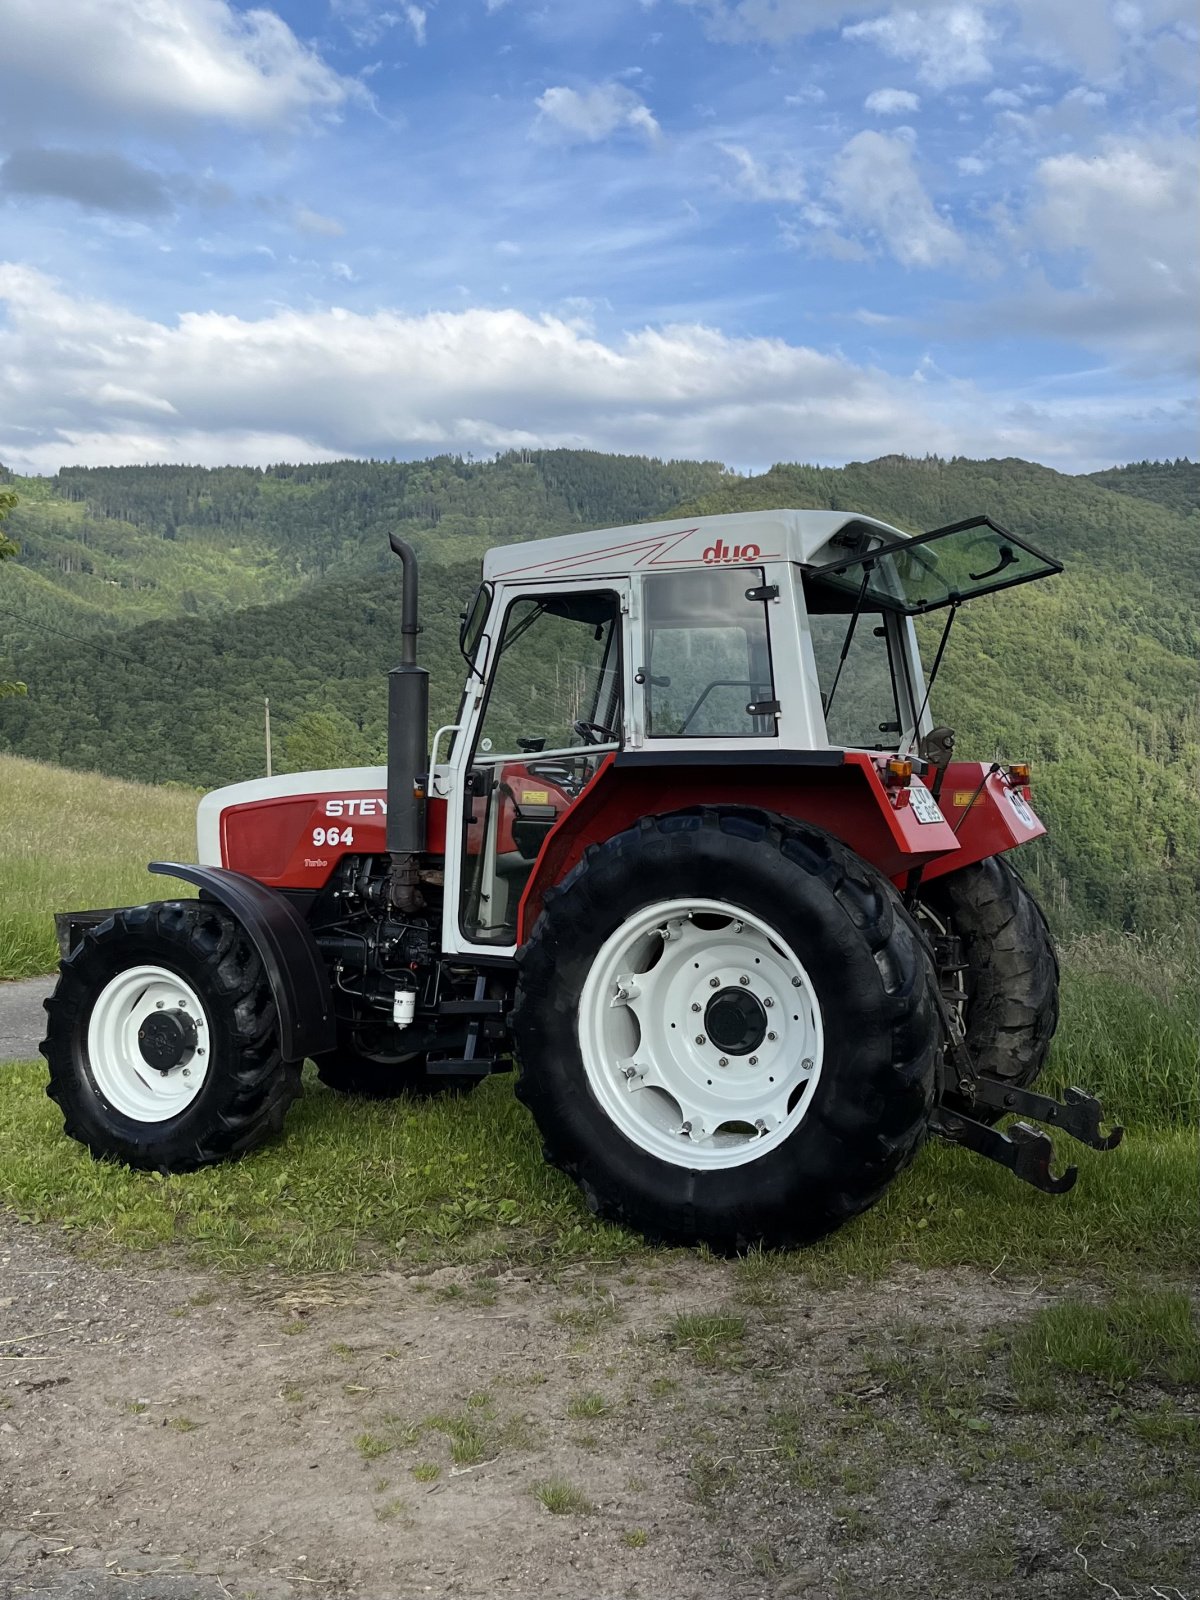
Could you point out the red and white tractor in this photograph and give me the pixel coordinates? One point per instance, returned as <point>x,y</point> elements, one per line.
<point>693,853</point>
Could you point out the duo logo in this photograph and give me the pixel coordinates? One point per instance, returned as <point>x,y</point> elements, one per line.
<point>721,552</point>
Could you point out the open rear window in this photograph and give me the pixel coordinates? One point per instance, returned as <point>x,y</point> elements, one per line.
<point>934,569</point>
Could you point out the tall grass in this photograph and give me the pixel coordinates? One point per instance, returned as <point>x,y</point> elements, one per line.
<point>73,840</point>
<point>1130,1028</point>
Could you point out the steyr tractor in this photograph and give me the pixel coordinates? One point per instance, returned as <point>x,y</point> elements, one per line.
<point>693,853</point>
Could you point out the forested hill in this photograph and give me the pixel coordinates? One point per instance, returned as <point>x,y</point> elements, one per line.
<point>1092,674</point>
<point>108,547</point>
<point>1171,483</point>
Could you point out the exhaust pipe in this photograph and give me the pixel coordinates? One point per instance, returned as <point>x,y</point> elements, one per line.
<point>407,747</point>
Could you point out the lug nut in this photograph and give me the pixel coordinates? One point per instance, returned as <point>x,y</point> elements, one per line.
<point>744,981</point>
<point>753,1061</point>
<point>183,1003</point>
<point>695,1006</point>
<point>723,1062</point>
<point>160,1004</point>
<point>761,1125</point>
<point>795,983</point>
<point>699,1038</point>
<point>187,1072</point>
<point>807,1064</point>
<point>686,1128</point>
<point>714,983</point>
<point>772,1037</point>
<point>768,1002</point>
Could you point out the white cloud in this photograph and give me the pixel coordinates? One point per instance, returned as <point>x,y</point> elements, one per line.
<point>1129,214</point>
<point>93,383</point>
<point>753,180</point>
<point>972,166</point>
<point>586,116</point>
<point>415,17</point>
<point>1005,98</point>
<point>878,190</point>
<point>949,45</point>
<point>891,102</point>
<point>162,61</point>
<point>312,222</point>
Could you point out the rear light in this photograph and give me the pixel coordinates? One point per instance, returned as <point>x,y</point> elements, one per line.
<point>896,773</point>
<point>1018,774</point>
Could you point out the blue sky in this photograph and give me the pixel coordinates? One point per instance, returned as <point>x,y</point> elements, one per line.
<point>754,230</point>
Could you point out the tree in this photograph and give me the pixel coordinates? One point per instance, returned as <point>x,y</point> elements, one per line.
<point>8,500</point>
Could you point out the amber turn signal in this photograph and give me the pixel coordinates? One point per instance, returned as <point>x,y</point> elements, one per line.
<point>1018,774</point>
<point>897,772</point>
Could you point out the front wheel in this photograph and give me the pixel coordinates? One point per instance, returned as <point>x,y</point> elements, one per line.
<point>163,1040</point>
<point>726,1030</point>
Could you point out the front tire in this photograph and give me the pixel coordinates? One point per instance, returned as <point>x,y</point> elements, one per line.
<point>649,1050</point>
<point>163,1040</point>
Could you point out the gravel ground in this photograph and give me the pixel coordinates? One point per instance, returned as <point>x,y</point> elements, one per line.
<point>172,1434</point>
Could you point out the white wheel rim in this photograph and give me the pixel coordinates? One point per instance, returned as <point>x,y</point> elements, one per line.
<point>121,1073</point>
<point>644,1034</point>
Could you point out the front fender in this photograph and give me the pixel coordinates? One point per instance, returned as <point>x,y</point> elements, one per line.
<point>295,970</point>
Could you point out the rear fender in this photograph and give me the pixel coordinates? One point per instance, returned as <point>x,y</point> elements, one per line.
<point>293,964</point>
<point>840,791</point>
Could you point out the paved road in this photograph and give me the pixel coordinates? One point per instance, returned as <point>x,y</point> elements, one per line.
<point>22,1020</point>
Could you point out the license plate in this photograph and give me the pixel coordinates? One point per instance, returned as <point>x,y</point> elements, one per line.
<point>925,808</point>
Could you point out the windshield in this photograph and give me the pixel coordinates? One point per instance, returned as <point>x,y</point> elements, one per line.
<point>933,569</point>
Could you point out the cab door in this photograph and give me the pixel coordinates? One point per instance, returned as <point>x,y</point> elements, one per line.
<point>552,708</point>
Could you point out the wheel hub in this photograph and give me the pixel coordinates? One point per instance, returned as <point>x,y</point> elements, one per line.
<point>735,1021</point>
<point>700,1033</point>
<point>165,1038</point>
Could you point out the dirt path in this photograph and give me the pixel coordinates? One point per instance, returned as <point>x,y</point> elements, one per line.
<point>172,1435</point>
<point>22,1019</point>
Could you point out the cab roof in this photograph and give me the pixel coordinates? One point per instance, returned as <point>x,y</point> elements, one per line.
<point>735,539</point>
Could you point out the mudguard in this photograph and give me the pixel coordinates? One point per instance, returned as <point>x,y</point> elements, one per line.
<point>295,969</point>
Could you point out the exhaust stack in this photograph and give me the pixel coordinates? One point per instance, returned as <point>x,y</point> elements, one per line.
<point>407,747</point>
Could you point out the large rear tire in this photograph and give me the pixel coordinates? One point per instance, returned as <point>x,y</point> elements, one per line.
<point>726,1030</point>
<point>1010,986</point>
<point>163,1040</point>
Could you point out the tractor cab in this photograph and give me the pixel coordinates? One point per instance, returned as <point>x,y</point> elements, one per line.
<point>781,638</point>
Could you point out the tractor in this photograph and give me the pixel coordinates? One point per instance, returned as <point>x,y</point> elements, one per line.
<point>693,855</point>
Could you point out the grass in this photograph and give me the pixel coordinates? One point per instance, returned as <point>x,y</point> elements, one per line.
<point>76,840</point>
<point>1143,1337</point>
<point>587,1405</point>
<point>709,1340</point>
<point>561,1498</point>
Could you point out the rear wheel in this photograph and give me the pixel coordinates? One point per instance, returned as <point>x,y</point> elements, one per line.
<point>1007,993</point>
<point>726,1030</point>
<point>163,1040</point>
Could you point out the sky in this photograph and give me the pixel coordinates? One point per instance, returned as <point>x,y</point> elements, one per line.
<point>742,230</point>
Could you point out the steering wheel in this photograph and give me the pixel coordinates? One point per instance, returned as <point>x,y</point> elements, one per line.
<point>594,733</point>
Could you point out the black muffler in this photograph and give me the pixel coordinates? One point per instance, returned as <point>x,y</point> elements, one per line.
<point>407,748</point>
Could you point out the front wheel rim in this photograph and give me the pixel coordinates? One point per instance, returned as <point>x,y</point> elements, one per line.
<point>115,1055</point>
<point>675,973</point>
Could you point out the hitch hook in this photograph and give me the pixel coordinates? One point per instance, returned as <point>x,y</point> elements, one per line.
<point>1027,1152</point>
